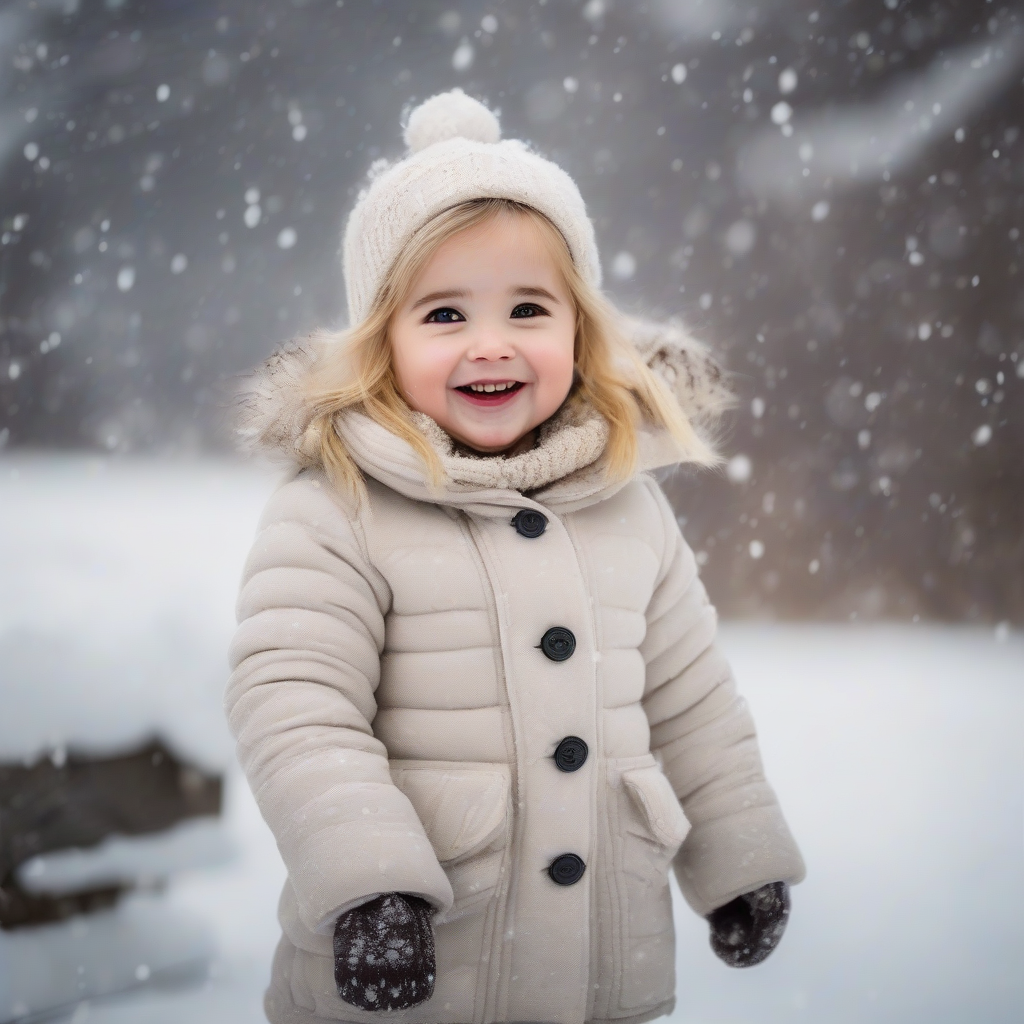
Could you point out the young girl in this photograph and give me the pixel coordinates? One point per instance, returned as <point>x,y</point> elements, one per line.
<point>475,686</point>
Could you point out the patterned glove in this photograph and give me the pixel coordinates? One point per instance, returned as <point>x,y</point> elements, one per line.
<point>384,953</point>
<point>748,928</point>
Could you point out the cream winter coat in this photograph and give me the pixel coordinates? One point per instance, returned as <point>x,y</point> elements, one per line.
<point>397,717</point>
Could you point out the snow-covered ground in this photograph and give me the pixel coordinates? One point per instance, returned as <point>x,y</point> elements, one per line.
<point>116,607</point>
<point>896,751</point>
<point>897,754</point>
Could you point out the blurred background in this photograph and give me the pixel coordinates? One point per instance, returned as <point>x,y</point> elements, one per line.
<point>831,195</point>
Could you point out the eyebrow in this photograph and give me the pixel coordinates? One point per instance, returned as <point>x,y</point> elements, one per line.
<point>459,293</point>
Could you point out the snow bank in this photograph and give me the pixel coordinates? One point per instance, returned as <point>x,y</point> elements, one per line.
<point>116,612</point>
<point>120,581</point>
<point>120,860</point>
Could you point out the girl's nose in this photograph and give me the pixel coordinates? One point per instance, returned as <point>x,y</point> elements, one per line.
<point>489,345</point>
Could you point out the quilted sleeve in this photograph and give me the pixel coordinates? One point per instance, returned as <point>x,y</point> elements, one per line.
<point>703,731</point>
<point>305,665</point>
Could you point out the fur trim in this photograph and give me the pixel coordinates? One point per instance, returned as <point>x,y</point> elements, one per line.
<point>686,365</point>
<point>274,417</point>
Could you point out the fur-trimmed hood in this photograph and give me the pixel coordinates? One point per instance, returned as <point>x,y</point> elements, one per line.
<point>274,419</point>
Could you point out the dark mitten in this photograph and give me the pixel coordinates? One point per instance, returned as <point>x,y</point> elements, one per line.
<point>748,928</point>
<point>384,953</point>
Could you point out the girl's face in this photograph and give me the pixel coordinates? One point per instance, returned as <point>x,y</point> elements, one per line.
<point>483,342</point>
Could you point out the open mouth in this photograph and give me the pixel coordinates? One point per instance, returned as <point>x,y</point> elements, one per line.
<point>491,393</point>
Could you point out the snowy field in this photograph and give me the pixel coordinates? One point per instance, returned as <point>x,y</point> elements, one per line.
<point>896,750</point>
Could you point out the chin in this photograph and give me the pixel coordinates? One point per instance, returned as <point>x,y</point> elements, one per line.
<point>490,442</point>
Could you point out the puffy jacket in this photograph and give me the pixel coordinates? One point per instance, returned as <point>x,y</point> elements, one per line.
<point>413,674</point>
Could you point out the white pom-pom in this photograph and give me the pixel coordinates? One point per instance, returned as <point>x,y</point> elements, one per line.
<point>450,115</point>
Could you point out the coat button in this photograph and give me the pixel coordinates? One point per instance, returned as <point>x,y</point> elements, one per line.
<point>529,523</point>
<point>570,754</point>
<point>558,643</point>
<point>567,869</point>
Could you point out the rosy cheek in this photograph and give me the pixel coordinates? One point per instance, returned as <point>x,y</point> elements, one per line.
<point>427,378</point>
<point>557,370</point>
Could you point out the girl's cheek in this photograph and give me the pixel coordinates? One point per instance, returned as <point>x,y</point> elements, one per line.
<point>427,374</point>
<point>436,366</point>
<point>554,366</point>
<point>413,363</point>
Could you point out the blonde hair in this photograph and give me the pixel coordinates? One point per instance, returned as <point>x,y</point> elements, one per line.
<point>356,372</point>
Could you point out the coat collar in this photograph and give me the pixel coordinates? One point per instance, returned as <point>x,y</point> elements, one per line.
<point>564,471</point>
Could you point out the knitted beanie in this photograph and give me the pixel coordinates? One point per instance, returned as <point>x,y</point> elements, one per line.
<point>454,156</point>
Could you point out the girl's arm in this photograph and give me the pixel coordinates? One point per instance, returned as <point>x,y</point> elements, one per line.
<point>306,664</point>
<point>703,731</point>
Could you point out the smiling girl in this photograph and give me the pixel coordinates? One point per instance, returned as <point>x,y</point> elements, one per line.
<point>484,342</point>
<point>475,689</point>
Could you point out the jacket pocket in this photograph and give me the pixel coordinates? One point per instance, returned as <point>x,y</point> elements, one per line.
<point>650,825</point>
<point>652,793</point>
<point>466,811</point>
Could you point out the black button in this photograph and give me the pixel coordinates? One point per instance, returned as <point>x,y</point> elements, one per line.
<point>529,523</point>
<point>567,869</point>
<point>558,643</point>
<point>570,754</point>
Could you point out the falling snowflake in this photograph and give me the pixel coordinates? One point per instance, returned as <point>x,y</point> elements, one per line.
<point>740,237</point>
<point>462,58</point>
<point>739,468</point>
<point>624,265</point>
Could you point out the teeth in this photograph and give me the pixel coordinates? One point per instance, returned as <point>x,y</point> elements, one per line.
<point>492,387</point>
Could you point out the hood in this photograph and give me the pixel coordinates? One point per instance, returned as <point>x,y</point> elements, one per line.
<point>274,420</point>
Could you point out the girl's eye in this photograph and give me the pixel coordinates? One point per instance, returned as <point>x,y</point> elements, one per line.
<point>446,315</point>
<point>528,309</point>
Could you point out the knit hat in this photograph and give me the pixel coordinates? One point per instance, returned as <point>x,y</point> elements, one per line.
<point>454,156</point>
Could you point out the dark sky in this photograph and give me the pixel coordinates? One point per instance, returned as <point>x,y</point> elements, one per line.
<point>833,198</point>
